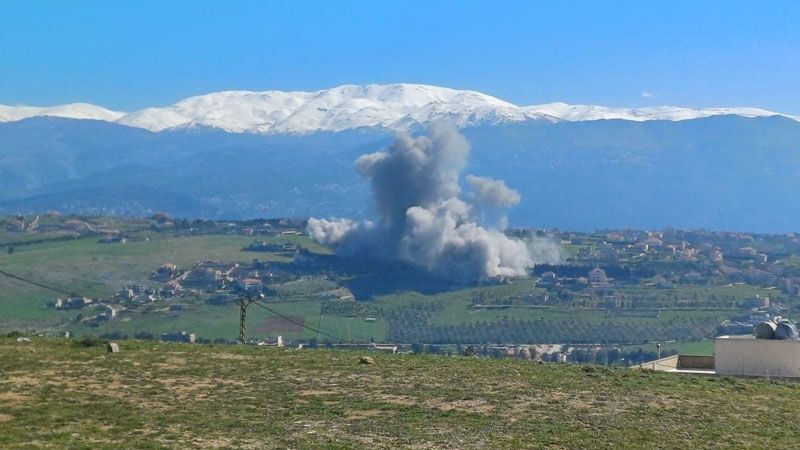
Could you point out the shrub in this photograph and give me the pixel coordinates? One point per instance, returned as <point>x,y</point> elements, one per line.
<point>90,341</point>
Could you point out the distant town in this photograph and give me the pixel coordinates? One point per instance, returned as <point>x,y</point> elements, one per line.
<point>612,290</point>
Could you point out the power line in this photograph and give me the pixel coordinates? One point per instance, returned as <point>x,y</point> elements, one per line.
<point>315,330</point>
<point>37,283</point>
<point>73,294</point>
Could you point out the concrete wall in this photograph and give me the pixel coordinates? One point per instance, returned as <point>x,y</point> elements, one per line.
<point>694,362</point>
<point>664,364</point>
<point>746,355</point>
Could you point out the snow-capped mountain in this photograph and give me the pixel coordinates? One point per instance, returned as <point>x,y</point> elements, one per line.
<point>576,113</point>
<point>394,106</point>
<point>726,172</point>
<point>69,111</point>
<point>389,106</point>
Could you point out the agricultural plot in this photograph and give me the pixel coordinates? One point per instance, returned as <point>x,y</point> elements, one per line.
<point>87,267</point>
<point>394,302</point>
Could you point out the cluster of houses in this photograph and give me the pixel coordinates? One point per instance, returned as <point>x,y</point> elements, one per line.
<point>72,302</point>
<point>107,311</point>
<point>139,294</point>
<point>757,310</point>
<point>626,245</point>
<point>213,277</point>
<point>594,279</point>
<point>21,225</point>
<point>285,248</point>
<point>534,352</point>
<point>698,256</point>
<point>53,223</point>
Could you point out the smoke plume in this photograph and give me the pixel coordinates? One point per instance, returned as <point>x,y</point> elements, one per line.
<point>421,218</point>
<point>491,193</point>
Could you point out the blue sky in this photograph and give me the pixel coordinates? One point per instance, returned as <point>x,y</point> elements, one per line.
<point>129,55</point>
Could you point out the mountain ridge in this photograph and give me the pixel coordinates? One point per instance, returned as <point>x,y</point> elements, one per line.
<point>723,172</point>
<point>384,106</point>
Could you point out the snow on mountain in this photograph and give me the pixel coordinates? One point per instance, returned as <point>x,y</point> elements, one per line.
<point>574,113</point>
<point>390,106</point>
<point>69,111</point>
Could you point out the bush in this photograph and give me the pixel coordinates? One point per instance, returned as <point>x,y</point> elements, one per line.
<point>114,335</point>
<point>90,341</point>
<point>144,336</point>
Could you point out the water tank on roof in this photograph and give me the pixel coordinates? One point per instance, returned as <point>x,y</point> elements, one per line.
<point>765,330</point>
<point>786,331</point>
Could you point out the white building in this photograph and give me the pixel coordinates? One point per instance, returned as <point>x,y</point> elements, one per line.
<point>746,355</point>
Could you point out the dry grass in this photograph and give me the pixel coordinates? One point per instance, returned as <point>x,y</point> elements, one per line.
<point>53,395</point>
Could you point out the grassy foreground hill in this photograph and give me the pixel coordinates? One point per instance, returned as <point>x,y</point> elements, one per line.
<point>54,393</point>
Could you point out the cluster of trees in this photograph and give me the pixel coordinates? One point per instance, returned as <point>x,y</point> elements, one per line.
<point>614,356</point>
<point>350,309</point>
<point>616,271</point>
<point>490,298</point>
<point>547,331</point>
<point>609,356</point>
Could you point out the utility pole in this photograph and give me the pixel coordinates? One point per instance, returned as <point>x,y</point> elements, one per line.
<point>244,301</point>
<point>319,324</point>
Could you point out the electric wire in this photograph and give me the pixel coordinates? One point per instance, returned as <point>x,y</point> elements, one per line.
<point>300,324</point>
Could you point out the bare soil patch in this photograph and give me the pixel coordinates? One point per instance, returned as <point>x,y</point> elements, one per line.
<point>475,406</point>
<point>12,398</point>
<point>402,400</point>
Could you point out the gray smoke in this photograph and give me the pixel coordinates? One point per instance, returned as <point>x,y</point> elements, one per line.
<point>491,199</point>
<point>491,193</point>
<point>421,220</point>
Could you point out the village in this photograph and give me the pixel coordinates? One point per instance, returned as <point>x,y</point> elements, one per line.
<point>633,275</point>
<point>711,283</point>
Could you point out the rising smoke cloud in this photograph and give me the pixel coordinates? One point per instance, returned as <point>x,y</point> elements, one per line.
<point>421,218</point>
<point>492,193</point>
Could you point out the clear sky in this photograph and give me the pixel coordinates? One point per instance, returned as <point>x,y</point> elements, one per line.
<point>132,54</point>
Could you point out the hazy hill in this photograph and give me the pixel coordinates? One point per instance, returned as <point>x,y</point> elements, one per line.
<point>726,172</point>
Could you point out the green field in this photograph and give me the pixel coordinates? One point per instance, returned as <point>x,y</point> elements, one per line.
<point>398,313</point>
<point>89,268</point>
<point>54,394</point>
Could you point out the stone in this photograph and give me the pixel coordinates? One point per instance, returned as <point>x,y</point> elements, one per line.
<point>366,360</point>
<point>112,347</point>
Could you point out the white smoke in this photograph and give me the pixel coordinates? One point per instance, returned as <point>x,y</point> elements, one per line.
<point>330,232</point>
<point>491,193</point>
<point>491,199</point>
<point>422,220</point>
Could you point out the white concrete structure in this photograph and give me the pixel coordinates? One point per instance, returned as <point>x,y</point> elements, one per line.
<point>746,355</point>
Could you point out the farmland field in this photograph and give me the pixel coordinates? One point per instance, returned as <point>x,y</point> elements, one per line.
<point>395,304</point>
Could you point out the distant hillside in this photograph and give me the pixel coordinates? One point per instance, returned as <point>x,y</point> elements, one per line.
<point>57,393</point>
<point>725,172</point>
